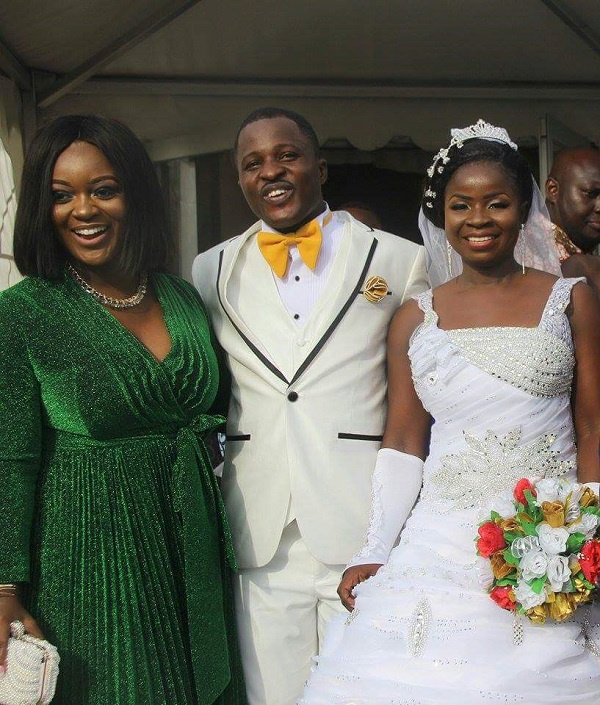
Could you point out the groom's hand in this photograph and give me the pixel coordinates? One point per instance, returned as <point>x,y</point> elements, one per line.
<point>351,578</point>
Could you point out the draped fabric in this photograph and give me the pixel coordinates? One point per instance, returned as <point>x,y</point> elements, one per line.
<point>424,631</point>
<point>110,510</point>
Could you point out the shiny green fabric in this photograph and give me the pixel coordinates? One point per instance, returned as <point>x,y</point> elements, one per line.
<point>110,512</point>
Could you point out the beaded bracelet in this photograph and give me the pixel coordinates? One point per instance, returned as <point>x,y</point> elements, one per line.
<point>8,589</point>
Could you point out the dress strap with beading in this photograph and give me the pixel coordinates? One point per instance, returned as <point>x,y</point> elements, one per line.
<point>425,303</point>
<point>553,318</point>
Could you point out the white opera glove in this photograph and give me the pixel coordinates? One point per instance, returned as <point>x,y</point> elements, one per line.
<point>396,484</point>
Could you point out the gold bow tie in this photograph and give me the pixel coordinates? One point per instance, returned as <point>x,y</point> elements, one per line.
<point>275,246</point>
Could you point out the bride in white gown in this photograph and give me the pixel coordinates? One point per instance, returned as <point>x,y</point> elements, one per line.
<point>481,373</point>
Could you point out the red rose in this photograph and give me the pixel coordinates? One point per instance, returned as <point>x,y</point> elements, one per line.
<point>501,596</point>
<point>519,491</point>
<point>590,560</point>
<point>491,539</point>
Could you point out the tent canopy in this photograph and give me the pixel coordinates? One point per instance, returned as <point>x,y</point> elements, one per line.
<point>183,74</point>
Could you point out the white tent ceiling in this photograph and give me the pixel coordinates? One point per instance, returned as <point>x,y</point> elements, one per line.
<point>183,74</point>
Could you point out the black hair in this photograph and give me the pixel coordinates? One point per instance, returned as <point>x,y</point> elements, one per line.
<point>148,244</point>
<point>268,114</point>
<point>477,150</point>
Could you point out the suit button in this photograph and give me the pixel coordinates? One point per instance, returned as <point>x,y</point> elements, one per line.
<point>292,396</point>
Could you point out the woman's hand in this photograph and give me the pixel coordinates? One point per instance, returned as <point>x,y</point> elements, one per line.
<point>11,609</point>
<point>351,578</point>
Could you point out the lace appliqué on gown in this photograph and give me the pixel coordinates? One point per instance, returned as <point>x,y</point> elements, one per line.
<point>375,519</point>
<point>488,465</point>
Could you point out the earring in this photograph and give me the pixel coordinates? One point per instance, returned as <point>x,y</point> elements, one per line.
<point>522,247</point>
<point>449,255</point>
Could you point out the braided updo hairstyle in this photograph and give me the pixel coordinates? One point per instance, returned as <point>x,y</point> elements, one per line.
<point>476,150</point>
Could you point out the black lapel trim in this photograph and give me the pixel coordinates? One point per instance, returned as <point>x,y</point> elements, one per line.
<point>315,351</point>
<point>266,362</point>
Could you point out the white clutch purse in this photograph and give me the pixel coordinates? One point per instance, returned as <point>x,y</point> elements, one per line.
<point>32,670</point>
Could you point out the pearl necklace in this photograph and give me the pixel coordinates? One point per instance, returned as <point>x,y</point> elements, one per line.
<point>129,302</point>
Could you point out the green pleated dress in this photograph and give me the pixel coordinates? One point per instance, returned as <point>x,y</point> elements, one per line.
<point>109,509</point>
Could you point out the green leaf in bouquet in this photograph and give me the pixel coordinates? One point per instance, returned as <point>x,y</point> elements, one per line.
<point>529,528</point>
<point>575,542</point>
<point>591,510</point>
<point>520,507</point>
<point>534,511</point>
<point>506,581</point>
<point>510,559</point>
<point>537,585</point>
<point>494,515</point>
<point>510,536</point>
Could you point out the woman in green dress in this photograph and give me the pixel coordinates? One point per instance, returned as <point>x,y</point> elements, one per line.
<point>113,538</point>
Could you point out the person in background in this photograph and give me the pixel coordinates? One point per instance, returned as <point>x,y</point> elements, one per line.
<point>301,304</point>
<point>573,200</point>
<point>364,212</point>
<point>113,539</point>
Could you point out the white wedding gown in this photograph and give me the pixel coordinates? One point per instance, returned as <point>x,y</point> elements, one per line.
<point>424,631</point>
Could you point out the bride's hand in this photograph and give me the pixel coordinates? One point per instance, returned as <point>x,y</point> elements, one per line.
<point>11,609</point>
<point>351,578</point>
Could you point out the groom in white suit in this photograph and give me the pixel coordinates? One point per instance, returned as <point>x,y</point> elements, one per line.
<point>300,303</point>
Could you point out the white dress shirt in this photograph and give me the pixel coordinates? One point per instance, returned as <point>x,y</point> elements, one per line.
<point>301,287</point>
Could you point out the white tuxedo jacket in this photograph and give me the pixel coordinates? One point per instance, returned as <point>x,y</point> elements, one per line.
<point>308,403</point>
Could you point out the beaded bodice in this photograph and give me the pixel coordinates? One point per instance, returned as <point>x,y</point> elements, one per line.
<point>500,400</point>
<point>538,360</point>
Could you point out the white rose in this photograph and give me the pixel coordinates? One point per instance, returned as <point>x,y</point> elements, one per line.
<point>534,564</point>
<point>564,489</point>
<point>552,541</point>
<point>525,595</point>
<point>503,504</point>
<point>587,524</point>
<point>558,572</point>
<point>547,490</point>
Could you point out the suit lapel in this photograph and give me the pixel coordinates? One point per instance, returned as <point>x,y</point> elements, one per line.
<point>260,317</point>
<point>343,286</point>
<point>234,259</point>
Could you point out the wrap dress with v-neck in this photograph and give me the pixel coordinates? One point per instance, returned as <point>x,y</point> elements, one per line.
<point>110,512</point>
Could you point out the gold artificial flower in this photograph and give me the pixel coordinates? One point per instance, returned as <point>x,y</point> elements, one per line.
<point>500,568</point>
<point>376,288</point>
<point>510,525</point>
<point>560,606</point>
<point>579,598</point>
<point>554,513</point>
<point>588,498</point>
<point>538,614</point>
<point>582,593</point>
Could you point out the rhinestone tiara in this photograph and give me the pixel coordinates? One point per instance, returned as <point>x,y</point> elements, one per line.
<point>480,130</point>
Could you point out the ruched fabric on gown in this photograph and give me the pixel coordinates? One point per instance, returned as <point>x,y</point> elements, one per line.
<point>424,631</point>
<point>110,510</point>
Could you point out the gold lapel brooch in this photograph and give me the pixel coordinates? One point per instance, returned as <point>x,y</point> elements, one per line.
<point>376,288</point>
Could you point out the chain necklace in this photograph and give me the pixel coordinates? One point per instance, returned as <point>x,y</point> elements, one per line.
<point>129,302</point>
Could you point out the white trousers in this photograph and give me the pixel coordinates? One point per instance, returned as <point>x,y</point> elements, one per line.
<point>282,609</point>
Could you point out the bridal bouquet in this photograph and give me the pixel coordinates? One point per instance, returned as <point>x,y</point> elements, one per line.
<point>543,547</point>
